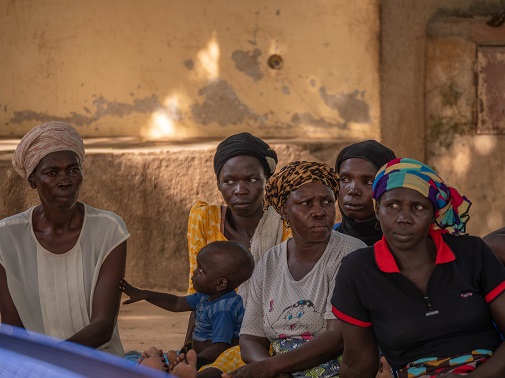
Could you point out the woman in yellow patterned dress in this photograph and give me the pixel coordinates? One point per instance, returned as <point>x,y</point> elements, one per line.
<point>242,163</point>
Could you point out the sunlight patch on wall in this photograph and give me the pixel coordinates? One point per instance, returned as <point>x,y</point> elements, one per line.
<point>484,144</point>
<point>208,60</point>
<point>163,121</point>
<point>461,160</point>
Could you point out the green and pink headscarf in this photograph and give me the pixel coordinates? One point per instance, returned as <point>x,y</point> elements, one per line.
<point>451,208</point>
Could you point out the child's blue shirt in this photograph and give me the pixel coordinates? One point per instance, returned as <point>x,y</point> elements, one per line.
<point>218,320</point>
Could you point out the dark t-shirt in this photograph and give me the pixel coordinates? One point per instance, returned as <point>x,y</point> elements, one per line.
<point>451,318</point>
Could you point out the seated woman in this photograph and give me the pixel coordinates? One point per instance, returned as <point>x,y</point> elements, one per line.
<point>426,295</point>
<point>61,260</point>
<point>242,164</point>
<point>289,299</point>
<point>356,166</point>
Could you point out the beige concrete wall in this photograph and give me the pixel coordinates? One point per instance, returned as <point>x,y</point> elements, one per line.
<point>472,162</point>
<point>191,69</point>
<point>428,97</point>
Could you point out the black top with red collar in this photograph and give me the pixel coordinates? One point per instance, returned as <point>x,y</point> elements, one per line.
<point>451,318</point>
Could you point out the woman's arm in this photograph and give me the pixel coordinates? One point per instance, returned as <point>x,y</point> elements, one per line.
<point>8,310</point>
<point>361,354</point>
<point>495,366</point>
<point>320,349</point>
<point>254,348</point>
<point>496,241</point>
<point>106,298</point>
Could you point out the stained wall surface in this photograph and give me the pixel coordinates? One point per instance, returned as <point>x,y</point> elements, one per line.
<point>191,69</point>
<point>429,104</point>
<point>165,74</point>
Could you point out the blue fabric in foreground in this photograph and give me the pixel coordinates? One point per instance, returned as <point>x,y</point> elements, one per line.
<point>29,354</point>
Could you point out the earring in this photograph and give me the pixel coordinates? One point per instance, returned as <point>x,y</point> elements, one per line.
<point>378,225</point>
<point>287,226</point>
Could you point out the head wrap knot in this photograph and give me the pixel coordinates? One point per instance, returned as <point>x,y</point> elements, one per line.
<point>294,175</point>
<point>451,208</point>
<point>245,144</point>
<point>370,150</point>
<point>42,140</point>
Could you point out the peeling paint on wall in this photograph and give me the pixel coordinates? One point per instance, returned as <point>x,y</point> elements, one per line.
<point>247,62</point>
<point>223,106</point>
<point>308,119</point>
<point>450,121</point>
<point>350,106</point>
<point>189,64</point>
<point>103,108</point>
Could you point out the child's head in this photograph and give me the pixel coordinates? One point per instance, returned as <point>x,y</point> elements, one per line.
<point>221,267</point>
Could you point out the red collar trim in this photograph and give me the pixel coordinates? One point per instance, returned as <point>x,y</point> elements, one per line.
<point>386,262</point>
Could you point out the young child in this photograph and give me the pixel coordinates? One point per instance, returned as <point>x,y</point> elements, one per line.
<point>221,267</point>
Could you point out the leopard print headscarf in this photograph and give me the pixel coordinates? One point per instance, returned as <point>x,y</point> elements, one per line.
<point>294,175</point>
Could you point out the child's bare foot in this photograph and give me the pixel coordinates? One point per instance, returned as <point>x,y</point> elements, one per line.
<point>172,359</point>
<point>153,357</point>
<point>186,365</point>
<point>155,362</point>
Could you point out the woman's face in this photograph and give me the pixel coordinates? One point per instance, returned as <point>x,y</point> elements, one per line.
<point>355,195</point>
<point>405,216</point>
<point>207,274</point>
<point>58,179</point>
<point>242,182</point>
<point>310,210</point>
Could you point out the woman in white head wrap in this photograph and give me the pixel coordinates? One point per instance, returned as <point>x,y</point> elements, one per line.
<point>61,260</point>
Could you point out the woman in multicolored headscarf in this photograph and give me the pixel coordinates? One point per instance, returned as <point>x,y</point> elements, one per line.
<point>61,260</point>
<point>426,294</point>
<point>289,299</point>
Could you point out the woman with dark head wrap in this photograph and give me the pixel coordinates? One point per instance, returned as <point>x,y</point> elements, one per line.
<point>426,293</point>
<point>61,260</point>
<point>357,165</point>
<point>288,305</point>
<point>242,164</point>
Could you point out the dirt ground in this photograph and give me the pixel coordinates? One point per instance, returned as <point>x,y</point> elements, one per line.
<point>142,324</point>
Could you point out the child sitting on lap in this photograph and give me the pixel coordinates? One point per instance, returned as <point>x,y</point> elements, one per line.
<point>221,267</point>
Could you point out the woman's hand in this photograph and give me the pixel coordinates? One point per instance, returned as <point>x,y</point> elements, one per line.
<point>134,293</point>
<point>258,369</point>
<point>384,369</point>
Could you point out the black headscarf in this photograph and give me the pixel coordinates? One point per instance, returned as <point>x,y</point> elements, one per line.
<point>378,155</point>
<point>370,150</point>
<point>245,144</point>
